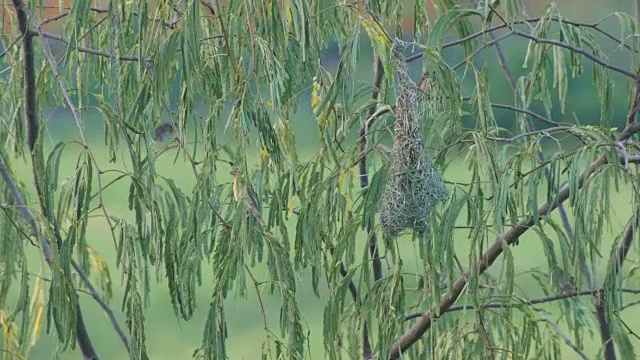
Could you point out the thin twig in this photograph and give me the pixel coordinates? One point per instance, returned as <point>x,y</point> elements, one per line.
<point>544,132</point>
<point>8,48</point>
<point>536,301</point>
<point>61,39</point>
<point>578,50</point>
<point>520,110</point>
<point>475,35</point>
<point>484,335</point>
<point>364,174</point>
<point>482,48</point>
<point>628,305</point>
<point>103,304</point>
<point>255,286</point>
<point>564,337</point>
<point>80,125</point>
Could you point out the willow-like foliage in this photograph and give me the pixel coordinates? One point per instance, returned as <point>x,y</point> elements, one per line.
<point>227,85</point>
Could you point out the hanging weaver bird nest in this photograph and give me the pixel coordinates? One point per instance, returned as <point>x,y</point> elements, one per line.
<point>413,187</point>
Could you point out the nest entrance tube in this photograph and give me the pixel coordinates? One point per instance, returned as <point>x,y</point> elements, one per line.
<point>413,187</point>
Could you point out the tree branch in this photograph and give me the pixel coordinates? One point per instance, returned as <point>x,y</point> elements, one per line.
<point>509,237</point>
<point>65,14</point>
<point>10,46</point>
<point>484,46</point>
<point>103,304</point>
<point>536,301</point>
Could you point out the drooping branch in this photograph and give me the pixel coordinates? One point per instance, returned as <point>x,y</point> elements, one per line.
<point>507,238</point>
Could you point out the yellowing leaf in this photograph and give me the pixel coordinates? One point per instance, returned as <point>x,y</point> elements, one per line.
<point>341,178</point>
<point>375,32</point>
<point>37,308</point>
<point>290,205</point>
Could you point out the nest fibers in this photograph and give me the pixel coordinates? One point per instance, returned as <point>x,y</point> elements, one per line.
<point>413,188</point>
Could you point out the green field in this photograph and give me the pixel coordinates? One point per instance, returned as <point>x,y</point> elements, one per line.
<point>168,338</point>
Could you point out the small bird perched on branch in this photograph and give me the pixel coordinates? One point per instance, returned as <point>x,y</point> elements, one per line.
<point>164,133</point>
<point>244,193</point>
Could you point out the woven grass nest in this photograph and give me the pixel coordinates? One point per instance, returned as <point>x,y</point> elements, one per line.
<point>413,187</point>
